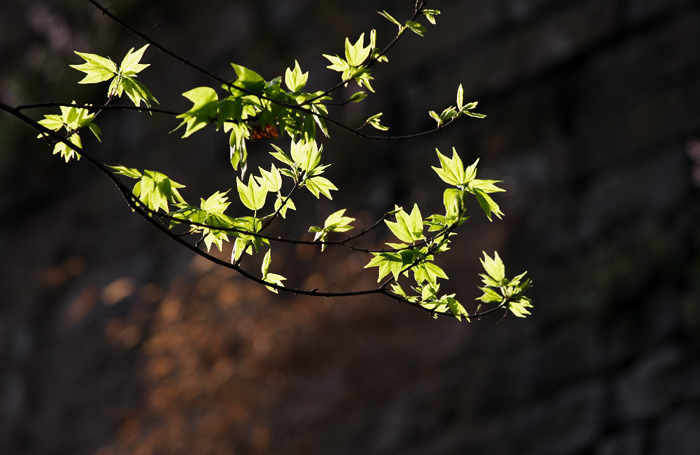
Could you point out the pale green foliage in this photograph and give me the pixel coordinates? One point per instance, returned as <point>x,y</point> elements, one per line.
<point>335,222</point>
<point>454,173</point>
<point>71,119</point>
<point>268,277</point>
<point>354,65</point>
<point>452,113</point>
<point>251,107</point>
<point>498,289</point>
<point>154,190</point>
<point>101,69</point>
<point>417,252</point>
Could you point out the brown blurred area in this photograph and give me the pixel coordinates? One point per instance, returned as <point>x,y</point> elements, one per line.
<point>115,341</point>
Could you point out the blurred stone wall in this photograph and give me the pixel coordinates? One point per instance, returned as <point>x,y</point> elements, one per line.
<point>113,341</point>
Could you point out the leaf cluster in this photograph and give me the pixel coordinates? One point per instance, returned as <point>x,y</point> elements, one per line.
<point>249,107</point>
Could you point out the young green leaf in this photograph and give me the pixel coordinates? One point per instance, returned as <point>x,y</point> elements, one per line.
<point>137,92</point>
<point>252,195</point>
<point>357,97</point>
<point>335,222</point>
<point>428,271</point>
<point>452,170</point>
<point>97,69</point>
<point>268,277</point>
<point>204,109</point>
<point>283,157</point>
<point>72,119</point>
<point>487,204</point>
<point>430,15</point>
<point>519,307</point>
<point>407,228</point>
<point>249,79</point>
<point>288,205</point>
<point>306,155</point>
<point>494,267</point>
<point>416,27</point>
<point>374,121</point>
<point>130,65</point>
<point>390,18</point>
<point>388,263</point>
<point>320,185</point>
<point>295,80</point>
<point>357,53</point>
<point>457,309</point>
<point>127,171</point>
<point>272,180</point>
<point>155,190</point>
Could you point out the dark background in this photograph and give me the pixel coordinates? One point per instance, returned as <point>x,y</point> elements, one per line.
<point>115,341</point>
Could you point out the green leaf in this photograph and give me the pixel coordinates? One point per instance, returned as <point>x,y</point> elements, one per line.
<point>430,15</point>
<point>416,27</point>
<point>487,204</point>
<point>272,180</point>
<point>295,80</point>
<point>428,271</point>
<point>137,92</point>
<point>452,170</point>
<point>357,53</point>
<point>272,278</point>
<point>357,97</point>
<point>240,133</point>
<point>252,195</point>
<point>519,307</point>
<point>474,114</point>
<point>130,65</point>
<point>249,79</point>
<point>460,97</point>
<point>457,309</point>
<point>398,290</point>
<point>494,267</point>
<point>288,205</point>
<point>487,186</point>
<point>53,122</point>
<point>390,18</point>
<point>127,171</point>
<point>216,203</point>
<point>306,154</point>
<point>388,263</point>
<point>407,228</point>
<point>335,222</point>
<point>283,157</point>
<point>320,185</point>
<point>72,119</point>
<point>374,121</point>
<point>203,111</point>
<point>155,190</point>
<point>96,68</point>
<point>338,64</point>
<point>244,241</point>
<point>453,200</point>
<point>490,295</point>
<point>96,131</point>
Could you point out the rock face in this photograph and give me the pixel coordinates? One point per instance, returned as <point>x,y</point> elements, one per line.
<point>113,341</point>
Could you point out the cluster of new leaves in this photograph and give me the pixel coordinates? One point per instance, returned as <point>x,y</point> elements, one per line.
<point>416,252</point>
<point>249,107</point>
<point>254,108</point>
<point>72,119</point>
<point>123,79</point>
<point>498,289</point>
